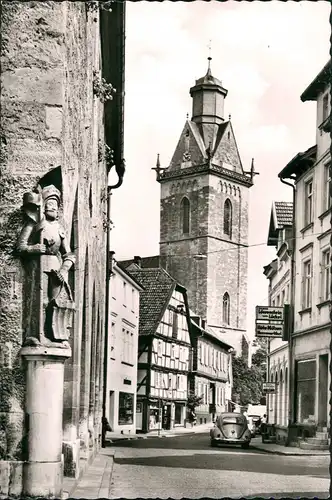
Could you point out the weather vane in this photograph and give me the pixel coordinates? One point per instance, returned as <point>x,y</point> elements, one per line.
<point>209,58</point>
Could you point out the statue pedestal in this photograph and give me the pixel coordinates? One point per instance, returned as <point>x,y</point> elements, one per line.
<point>43,470</point>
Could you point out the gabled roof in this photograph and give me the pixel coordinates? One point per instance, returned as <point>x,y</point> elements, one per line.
<point>299,164</point>
<point>158,288</point>
<point>146,262</point>
<point>281,217</point>
<point>210,335</point>
<point>122,269</point>
<point>318,84</point>
<point>271,268</point>
<point>284,213</point>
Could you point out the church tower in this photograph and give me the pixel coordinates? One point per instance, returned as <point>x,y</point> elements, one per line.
<point>204,214</point>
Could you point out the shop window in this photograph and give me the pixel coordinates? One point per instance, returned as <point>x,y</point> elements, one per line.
<point>126,404</point>
<point>305,389</point>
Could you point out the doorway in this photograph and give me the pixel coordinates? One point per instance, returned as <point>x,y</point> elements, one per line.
<point>111,410</point>
<point>323,393</point>
<point>167,417</point>
<point>139,415</point>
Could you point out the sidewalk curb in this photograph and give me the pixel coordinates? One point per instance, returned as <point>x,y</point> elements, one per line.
<point>149,436</point>
<point>291,454</point>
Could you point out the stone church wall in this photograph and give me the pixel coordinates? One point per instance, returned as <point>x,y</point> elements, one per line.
<point>51,123</point>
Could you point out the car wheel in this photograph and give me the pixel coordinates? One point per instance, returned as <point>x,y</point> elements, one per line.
<point>213,443</point>
<point>245,445</point>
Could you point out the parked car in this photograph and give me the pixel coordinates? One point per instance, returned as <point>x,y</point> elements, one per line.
<point>256,422</point>
<point>231,428</point>
<point>251,425</point>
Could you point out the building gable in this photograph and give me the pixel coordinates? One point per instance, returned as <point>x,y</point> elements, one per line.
<point>190,148</point>
<point>226,153</point>
<point>174,323</point>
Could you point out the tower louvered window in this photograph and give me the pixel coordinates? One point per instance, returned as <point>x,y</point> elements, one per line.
<point>226,309</point>
<point>228,218</point>
<point>185,215</point>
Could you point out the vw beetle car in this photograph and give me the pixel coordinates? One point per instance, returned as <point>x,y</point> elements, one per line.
<point>230,428</point>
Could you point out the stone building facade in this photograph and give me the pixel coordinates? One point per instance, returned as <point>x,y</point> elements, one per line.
<point>53,134</point>
<point>278,272</point>
<point>122,351</point>
<point>310,337</point>
<point>204,215</point>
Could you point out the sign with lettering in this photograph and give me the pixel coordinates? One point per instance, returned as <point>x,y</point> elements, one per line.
<point>269,387</point>
<point>269,330</point>
<point>267,313</point>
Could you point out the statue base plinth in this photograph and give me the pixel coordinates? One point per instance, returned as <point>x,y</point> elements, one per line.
<point>43,471</point>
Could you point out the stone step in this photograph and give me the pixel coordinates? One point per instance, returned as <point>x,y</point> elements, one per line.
<point>316,440</point>
<point>310,446</point>
<point>322,435</point>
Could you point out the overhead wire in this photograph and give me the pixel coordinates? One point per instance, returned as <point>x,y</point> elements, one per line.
<point>230,249</point>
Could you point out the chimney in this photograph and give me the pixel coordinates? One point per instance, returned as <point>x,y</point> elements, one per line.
<point>138,260</point>
<point>203,323</point>
<point>196,319</point>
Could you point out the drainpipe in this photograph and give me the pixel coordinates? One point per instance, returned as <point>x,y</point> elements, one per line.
<point>291,385</point>
<point>109,261</point>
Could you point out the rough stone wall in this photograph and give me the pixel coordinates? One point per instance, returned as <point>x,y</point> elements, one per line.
<point>227,151</point>
<point>225,268</point>
<point>228,257</point>
<point>178,250</point>
<point>50,118</point>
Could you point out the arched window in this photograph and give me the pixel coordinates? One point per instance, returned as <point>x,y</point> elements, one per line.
<point>226,309</point>
<point>228,218</point>
<point>185,215</point>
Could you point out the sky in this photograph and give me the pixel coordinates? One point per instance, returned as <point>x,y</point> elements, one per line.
<point>265,54</point>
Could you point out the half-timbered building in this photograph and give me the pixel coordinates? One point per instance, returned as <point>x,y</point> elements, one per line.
<point>164,350</point>
<point>211,374</point>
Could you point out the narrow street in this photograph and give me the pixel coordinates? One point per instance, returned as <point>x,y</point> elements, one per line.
<point>186,466</point>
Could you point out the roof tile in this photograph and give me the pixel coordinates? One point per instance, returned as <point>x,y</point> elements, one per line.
<point>158,287</point>
<point>284,213</point>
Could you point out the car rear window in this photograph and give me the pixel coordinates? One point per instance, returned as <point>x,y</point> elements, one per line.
<point>232,420</point>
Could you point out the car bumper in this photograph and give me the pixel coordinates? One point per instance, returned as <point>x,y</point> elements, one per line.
<point>230,441</point>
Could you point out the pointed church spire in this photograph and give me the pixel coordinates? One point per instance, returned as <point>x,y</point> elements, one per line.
<point>208,73</point>
<point>158,168</point>
<point>208,96</point>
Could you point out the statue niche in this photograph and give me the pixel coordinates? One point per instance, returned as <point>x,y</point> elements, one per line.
<point>47,259</point>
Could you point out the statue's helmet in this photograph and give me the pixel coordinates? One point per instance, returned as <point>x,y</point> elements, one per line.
<point>31,198</point>
<point>51,192</point>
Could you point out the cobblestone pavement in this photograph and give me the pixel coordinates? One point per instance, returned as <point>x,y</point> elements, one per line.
<point>186,466</point>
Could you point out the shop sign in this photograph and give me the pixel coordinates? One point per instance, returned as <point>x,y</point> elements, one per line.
<point>269,387</point>
<point>269,330</point>
<point>267,313</point>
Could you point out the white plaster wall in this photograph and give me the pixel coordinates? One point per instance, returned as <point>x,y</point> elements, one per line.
<point>124,313</point>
